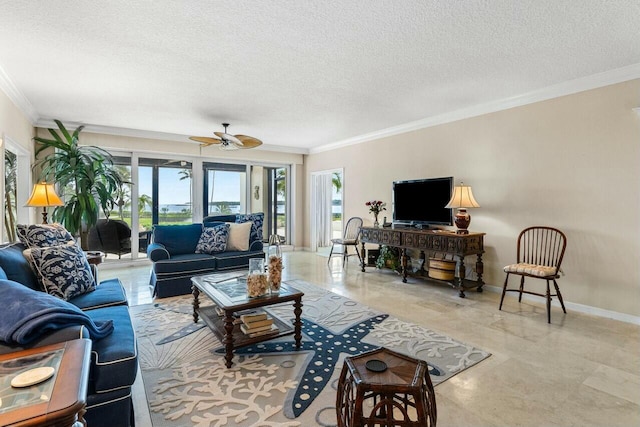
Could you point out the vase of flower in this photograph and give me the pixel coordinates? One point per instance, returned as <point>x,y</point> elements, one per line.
<point>375,207</point>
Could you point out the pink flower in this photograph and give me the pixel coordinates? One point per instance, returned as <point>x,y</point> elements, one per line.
<point>376,206</point>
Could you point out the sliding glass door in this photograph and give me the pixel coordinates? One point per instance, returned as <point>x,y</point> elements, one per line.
<point>276,208</point>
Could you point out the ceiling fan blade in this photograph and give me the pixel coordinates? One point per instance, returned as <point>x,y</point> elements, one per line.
<point>249,141</point>
<point>205,140</point>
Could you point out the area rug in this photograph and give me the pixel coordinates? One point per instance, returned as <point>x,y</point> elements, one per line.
<point>272,383</point>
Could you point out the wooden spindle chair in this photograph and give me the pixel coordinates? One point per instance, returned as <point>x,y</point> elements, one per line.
<point>540,253</point>
<point>350,237</point>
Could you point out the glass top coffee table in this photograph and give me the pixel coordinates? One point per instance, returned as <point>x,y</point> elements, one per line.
<point>229,294</point>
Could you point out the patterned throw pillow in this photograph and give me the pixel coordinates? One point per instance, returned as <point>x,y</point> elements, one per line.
<point>63,270</point>
<point>256,229</point>
<point>213,239</point>
<point>41,235</point>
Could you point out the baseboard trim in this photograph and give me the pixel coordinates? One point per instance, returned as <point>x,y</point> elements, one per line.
<point>580,308</point>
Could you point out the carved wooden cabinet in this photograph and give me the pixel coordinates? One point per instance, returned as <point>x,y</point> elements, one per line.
<point>442,242</point>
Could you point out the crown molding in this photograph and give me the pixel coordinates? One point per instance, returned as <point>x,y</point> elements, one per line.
<point>566,88</point>
<point>162,136</point>
<point>555,91</point>
<point>21,101</point>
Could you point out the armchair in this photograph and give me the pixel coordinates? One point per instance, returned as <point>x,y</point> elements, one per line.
<point>113,236</point>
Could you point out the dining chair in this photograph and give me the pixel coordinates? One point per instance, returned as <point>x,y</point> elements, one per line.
<point>540,253</point>
<point>350,237</point>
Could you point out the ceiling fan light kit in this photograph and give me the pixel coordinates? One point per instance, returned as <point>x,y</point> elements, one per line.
<point>226,141</point>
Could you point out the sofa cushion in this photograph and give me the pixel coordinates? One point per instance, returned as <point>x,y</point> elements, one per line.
<point>63,270</point>
<point>173,277</point>
<point>213,239</point>
<point>16,267</point>
<point>178,239</point>
<point>108,293</point>
<point>230,260</point>
<point>114,358</point>
<point>179,265</point>
<point>239,236</point>
<point>41,235</point>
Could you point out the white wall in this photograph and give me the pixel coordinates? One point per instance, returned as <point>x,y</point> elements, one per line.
<point>570,162</point>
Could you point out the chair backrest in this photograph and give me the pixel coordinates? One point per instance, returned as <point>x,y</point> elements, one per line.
<point>111,236</point>
<point>352,229</point>
<point>541,245</point>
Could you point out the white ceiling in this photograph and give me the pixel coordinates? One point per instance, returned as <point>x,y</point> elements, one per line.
<point>299,74</point>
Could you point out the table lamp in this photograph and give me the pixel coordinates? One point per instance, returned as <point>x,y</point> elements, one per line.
<point>43,196</point>
<point>462,199</point>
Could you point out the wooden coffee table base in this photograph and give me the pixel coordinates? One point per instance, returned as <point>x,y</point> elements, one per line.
<point>229,333</point>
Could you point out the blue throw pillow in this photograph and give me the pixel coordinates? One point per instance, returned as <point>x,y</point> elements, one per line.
<point>256,229</point>
<point>62,270</point>
<point>213,239</point>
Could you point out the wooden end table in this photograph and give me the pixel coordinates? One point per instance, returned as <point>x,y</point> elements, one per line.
<point>401,394</point>
<point>59,401</point>
<point>230,296</point>
<point>94,257</point>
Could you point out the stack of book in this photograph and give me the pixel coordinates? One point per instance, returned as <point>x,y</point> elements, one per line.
<point>257,324</point>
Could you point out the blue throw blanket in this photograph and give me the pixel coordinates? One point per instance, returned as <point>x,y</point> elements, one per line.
<point>26,315</point>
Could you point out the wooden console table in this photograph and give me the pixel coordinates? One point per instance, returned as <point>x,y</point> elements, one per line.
<point>433,241</point>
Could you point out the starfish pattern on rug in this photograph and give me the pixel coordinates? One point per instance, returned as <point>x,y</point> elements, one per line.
<point>325,347</point>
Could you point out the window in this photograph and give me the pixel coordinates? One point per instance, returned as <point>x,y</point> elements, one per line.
<point>164,192</point>
<point>10,195</point>
<point>225,188</point>
<point>16,181</point>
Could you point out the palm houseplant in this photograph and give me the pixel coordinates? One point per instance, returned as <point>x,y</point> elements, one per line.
<point>86,178</point>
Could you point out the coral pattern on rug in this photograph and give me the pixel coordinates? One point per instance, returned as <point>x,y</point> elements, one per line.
<point>272,383</point>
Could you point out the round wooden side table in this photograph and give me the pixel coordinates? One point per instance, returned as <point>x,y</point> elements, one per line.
<point>386,389</point>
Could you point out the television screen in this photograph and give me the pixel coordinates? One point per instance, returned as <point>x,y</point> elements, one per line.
<point>422,201</point>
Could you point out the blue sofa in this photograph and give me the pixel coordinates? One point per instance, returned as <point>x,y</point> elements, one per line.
<point>175,262</point>
<point>114,360</point>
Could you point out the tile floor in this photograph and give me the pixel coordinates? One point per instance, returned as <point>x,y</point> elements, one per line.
<point>579,370</point>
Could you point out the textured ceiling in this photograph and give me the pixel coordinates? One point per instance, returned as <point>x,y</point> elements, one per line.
<point>295,73</point>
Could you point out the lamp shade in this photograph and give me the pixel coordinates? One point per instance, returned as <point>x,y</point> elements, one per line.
<point>462,198</point>
<point>43,195</point>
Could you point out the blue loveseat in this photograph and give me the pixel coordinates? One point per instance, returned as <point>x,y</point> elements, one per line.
<point>114,361</point>
<point>174,257</point>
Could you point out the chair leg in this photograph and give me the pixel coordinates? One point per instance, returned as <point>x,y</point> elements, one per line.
<point>548,303</point>
<point>358,253</point>
<point>521,288</point>
<point>559,295</point>
<point>345,254</point>
<point>330,253</point>
<point>504,291</point>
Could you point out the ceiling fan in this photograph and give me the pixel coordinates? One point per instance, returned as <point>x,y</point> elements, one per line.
<point>227,141</point>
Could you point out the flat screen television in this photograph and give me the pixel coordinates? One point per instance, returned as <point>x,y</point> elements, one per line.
<point>421,202</point>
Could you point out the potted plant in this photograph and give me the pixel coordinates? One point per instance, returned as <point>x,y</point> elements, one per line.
<point>85,175</point>
<point>389,257</point>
